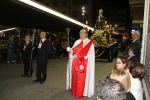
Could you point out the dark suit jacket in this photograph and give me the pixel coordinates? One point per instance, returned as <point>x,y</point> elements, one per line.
<point>27,52</point>
<point>44,52</point>
<point>129,96</point>
<point>137,44</point>
<point>134,59</point>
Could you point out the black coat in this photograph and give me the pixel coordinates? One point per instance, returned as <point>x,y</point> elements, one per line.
<point>134,59</point>
<point>27,52</point>
<point>44,52</point>
<point>129,96</point>
<point>137,44</point>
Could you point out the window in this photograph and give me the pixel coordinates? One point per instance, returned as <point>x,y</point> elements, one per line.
<point>64,11</point>
<point>55,4</point>
<point>47,4</point>
<point>75,14</point>
<point>64,2</point>
<point>76,2</point>
<point>84,1</point>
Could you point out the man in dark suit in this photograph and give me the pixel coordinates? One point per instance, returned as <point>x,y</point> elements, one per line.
<point>131,54</point>
<point>26,55</point>
<point>136,43</point>
<point>43,51</point>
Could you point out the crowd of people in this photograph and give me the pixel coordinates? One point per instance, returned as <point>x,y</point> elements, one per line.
<point>59,45</point>
<point>123,83</point>
<point>125,80</point>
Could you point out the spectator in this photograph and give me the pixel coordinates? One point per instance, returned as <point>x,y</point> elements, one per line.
<point>121,63</point>
<point>131,54</point>
<point>136,43</point>
<point>137,71</point>
<point>110,89</point>
<point>10,48</point>
<point>123,77</point>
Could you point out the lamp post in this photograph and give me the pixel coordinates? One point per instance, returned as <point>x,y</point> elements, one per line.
<point>83,13</point>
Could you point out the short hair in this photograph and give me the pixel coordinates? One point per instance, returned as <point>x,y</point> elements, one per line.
<point>123,60</point>
<point>28,36</point>
<point>42,32</point>
<point>137,70</point>
<point>86,30</point>
<point>123,77</point>
<point>133,49</point>
<point>110,89</point>
<point>136,33</point>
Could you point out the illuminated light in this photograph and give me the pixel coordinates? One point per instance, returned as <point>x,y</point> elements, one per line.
<point>82,7</point>
<point>133,30</point>
<point>7,30</point>
<point>83,10</point>
<point>51,11</point>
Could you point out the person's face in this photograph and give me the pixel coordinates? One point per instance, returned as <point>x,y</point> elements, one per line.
<point>83,34</point>
<point>119,64</point>
<point>42,35</point>
<point>27,39</point>
<point>12,36</point>
<point>130,52</point>
<point>133,37</point>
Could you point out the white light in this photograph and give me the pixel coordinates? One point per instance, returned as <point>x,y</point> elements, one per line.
<point>115,25</point>
<point>7,30</point>
<point>133,30</point>
<point>51,11</point>
<point>82,14</point>
<point>83,10</point>
<point>82,7</point>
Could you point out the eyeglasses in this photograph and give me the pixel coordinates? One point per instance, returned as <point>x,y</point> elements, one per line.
<point>82,32</point>
<point>118,63</point>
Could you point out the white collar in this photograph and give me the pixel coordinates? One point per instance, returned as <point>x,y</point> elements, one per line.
<point>43,39</point>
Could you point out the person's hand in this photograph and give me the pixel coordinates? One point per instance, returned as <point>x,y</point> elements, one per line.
<point>85,57</point>
<point>81,67</point>
<point>68,49</point>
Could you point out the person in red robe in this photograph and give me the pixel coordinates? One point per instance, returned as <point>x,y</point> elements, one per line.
<point>79,77</point>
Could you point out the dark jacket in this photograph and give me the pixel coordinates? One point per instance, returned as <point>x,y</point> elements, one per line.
<point>129,96</point>
<point>133,58</point>
<point>27,52</point>
<point>137,44</point>
<point>43,52</point>
<point>10,43</point>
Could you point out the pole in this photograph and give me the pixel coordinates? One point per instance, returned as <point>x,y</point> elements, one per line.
<point>18,30</point>
<point>31,67</point>
<point>68,30</point>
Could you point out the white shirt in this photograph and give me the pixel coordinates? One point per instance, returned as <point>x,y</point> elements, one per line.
<point>43,40</point>
<point>136,88</point>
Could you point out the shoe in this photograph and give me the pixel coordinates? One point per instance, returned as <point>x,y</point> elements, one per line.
<point>8,62</point>
<point>41,82</point>
<point>35,81</point>
<point>13,61</point>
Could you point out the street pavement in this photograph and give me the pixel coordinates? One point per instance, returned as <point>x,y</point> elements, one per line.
<point>15,87</point>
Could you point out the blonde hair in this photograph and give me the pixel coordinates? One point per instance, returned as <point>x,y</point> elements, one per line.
<point>123,77</point>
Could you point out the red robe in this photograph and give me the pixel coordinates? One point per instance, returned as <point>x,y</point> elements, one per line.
<point>79,66</point>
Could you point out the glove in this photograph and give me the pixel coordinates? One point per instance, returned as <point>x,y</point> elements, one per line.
<point>81,67</point>
<point>68,49</point>
<point>85,57</point>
